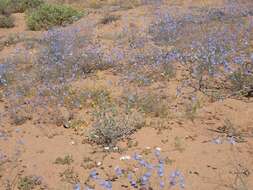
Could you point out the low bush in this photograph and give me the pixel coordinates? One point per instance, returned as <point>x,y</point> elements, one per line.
<point>242,82</point>
<point>15,6</point>
<point>109,19</point>
<point>28,182</point>
<point>3,7</point>
<point>94,4</point>
<point>111,126</point>
<point>151,104</point>
<point>6,21</point>
<point>23,5</point>
<point>66,160</point>
<point>48,15</point>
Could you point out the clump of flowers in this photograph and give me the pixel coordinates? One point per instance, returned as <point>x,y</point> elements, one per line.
<point>213,43</point>
<point>151,175</point>
<point>40,81</point>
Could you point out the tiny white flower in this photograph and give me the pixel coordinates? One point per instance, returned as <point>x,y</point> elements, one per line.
<point>107,148</point>
<point>125,157</point>
<point>115,148</point>
<point>99,163</point>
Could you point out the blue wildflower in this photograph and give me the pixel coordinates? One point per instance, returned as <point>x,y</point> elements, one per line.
<point>77,186</point>
<point>157,152</point>
<point>93,174</point>
<point>88,188</point>
<point>136,157</point>
<point>144,180</point>
<point>160,170</point>
<point>106,184</point>
<point>118,171</point>
<point>162,184</point>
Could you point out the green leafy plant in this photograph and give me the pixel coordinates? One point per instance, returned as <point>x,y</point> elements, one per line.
<point>192,108</point>
<point>94,4</point>
<point>48,15</point>
<point>110,125</point>
<point>3,7</point>
<point>66,160</point>
<point>23,5</point>
<point>28,182</point>
<point>150,104</point>
<point>242,82</point>
<point>69,176</point>
<point>179,144</point>
<point>18,6</point>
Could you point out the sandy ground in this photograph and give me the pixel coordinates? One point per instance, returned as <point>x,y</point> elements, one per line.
<point>188,146</point>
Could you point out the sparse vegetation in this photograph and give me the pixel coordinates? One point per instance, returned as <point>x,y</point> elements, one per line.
<point>66,160</point>
<point>179,146</point>
<point>95,4</point>
<point>88,163</point>
<point>109,19</point>
<point>119,4</point>
<point>149,76</point>
<point>150,104</point>
<point>6,21</point>
<point>153,105</point>
<point>28,182</point>
<point>69,176</point>
<point>191,108</point>
<point>242,82</point>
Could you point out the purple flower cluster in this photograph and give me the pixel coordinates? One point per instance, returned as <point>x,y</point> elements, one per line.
<point>40,80</point>
<point>175,177</point>
<point>106,184</point>
<point>166,29</point>
<point>230,140</point>
<point>216,49</point>
<point>215,45</point>
<point>144,180</point>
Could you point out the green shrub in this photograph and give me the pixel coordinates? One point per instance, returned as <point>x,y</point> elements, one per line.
<point>150,104</point>
<point>6,21</point>
<point>3,7</point>
<point>111,125</point>
<point>242,82</point>
<point>14,6</point>
<point>23,5</point>
<point>66,160</point>
<point>28,182</point>
<point>49,15</point>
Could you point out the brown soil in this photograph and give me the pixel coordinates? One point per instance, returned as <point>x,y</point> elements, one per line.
<point>32,150</point>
